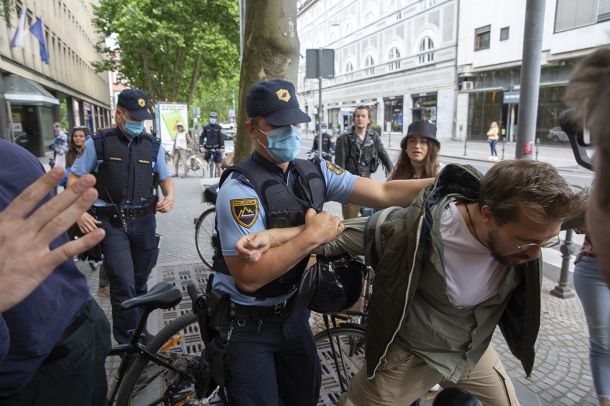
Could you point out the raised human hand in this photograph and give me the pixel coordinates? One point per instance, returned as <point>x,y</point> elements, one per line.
<point>25,257</point>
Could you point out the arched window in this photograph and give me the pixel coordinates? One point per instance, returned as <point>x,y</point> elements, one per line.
<point>349,67</point>
<point>369,65</point>
<point>394,58</point>
<point>426,46</point>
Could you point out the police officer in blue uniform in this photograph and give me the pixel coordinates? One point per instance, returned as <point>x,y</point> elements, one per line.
<point>273,354</point>
<point>212,142</point>
<point>126,161</point>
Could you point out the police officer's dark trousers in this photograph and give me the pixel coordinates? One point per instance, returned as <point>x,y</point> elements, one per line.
<point>129,256</point>
<point>274,361</point>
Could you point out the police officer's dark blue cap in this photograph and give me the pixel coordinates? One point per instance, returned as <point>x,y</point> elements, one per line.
<point>275,101</point>
<point>136,103</point>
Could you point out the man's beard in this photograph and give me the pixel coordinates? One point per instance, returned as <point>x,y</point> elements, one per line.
<point>504,260</point>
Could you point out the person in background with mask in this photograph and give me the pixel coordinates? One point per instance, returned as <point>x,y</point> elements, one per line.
<point>126,162</point>
<point>273,355</point>
<point>212,143</point>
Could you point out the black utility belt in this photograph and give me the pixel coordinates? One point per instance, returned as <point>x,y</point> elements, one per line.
<point>237,311</point>
<point>109,212</point>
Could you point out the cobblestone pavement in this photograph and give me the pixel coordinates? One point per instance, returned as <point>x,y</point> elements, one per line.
<point>561,374</point>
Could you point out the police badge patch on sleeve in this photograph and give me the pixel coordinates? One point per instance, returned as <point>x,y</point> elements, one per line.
<point>337,170</point>
<point>245,211</point>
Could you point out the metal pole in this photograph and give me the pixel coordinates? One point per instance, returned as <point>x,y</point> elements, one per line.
<point>242,28</point>
<point>503,145</point>
<point>563,290</point>
<point>537,147</point>
<point>320,103</point>
<point>466,145</point>
<point>530,78</point>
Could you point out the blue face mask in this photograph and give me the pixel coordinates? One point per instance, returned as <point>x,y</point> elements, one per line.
<point>132,127</point>
<point>284,143</point>
<point>212,121</point>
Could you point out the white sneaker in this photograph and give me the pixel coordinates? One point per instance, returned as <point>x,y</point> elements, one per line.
<point>435,388</point>
<point>495,158</point>
<point>491,158</point>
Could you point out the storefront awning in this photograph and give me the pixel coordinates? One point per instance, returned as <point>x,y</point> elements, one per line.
<point>22,91</point>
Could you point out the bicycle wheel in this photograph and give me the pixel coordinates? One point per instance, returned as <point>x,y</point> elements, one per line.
<point>205,230</point>
<point>197,166</point>
<point>148,383</point>
<point>341,353</point>
<point>212,169</point>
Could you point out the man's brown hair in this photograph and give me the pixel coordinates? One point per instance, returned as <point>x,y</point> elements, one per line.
<point>535,189</point>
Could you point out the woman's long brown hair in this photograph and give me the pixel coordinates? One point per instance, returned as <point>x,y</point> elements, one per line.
<point>404,168</point>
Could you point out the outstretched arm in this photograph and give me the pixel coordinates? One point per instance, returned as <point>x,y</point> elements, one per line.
<point>372,193</point>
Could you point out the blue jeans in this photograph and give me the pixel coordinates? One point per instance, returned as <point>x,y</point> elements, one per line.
<point>595,297</point>
<point>492,146</point>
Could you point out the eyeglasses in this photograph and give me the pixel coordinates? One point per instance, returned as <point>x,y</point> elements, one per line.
<point>553,242</point>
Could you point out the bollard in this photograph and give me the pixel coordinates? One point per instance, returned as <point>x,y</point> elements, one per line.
<point>465,145</point>
<point>563,290</point>
<point>503,144</point>
<point>537,147</point>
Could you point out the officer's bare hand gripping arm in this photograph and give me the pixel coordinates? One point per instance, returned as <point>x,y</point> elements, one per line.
<point>318,229</point>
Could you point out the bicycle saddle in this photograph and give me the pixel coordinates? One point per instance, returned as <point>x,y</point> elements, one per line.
<point>161,296</point>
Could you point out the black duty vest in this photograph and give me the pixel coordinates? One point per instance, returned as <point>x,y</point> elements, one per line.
<point>283,208</point>
<point>126,175</point>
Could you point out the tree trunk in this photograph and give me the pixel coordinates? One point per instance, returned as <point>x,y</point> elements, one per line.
<point>271,51</point>
<point>194,79</point>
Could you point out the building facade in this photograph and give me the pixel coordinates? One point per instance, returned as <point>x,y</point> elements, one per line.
<point>489,61</point>
<point>34,94</point>
<point>397,57</point>
<point>454,62</point>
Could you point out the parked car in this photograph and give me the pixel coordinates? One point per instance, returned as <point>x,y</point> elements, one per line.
<point>556,134</point>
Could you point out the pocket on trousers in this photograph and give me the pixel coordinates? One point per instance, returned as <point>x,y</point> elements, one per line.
<point>397,357</point>
<point>504,379</point>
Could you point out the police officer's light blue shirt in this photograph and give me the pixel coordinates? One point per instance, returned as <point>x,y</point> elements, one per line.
<point>339,185</point>
<point>87,162</point>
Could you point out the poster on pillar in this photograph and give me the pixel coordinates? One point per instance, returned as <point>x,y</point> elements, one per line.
<point>167,116</point>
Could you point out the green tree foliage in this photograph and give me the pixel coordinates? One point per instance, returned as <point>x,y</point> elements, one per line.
<point>173,50</point>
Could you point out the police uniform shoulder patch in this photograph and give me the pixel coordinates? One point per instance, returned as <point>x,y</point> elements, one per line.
<point>337,170</point>
<point>244,211</point>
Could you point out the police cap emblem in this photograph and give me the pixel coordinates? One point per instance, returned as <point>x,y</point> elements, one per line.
<point>283,95</point>
<point>141,102</point>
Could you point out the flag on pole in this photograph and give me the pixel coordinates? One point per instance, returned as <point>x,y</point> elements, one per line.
<point>17,39</point>
<point>38,32</point>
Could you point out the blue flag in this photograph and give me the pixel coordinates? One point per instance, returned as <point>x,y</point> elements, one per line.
<point>38,32</point>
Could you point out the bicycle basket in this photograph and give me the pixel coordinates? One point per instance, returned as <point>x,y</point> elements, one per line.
<point>211,193</point>
<point>332,284</point>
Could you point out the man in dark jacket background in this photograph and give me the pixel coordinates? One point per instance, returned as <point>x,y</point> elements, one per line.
<point>359,151</point>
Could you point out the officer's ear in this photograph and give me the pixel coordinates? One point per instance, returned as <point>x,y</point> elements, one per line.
<point>250,126</point>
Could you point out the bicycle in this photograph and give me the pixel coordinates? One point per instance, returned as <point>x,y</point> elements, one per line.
<point>163,371</point>
<point>205,227</point>
<point>210,167</point>
<point>194,163</point>
<point>341,345</point>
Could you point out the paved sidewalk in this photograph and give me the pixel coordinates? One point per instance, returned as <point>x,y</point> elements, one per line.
<point>561,375</point>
